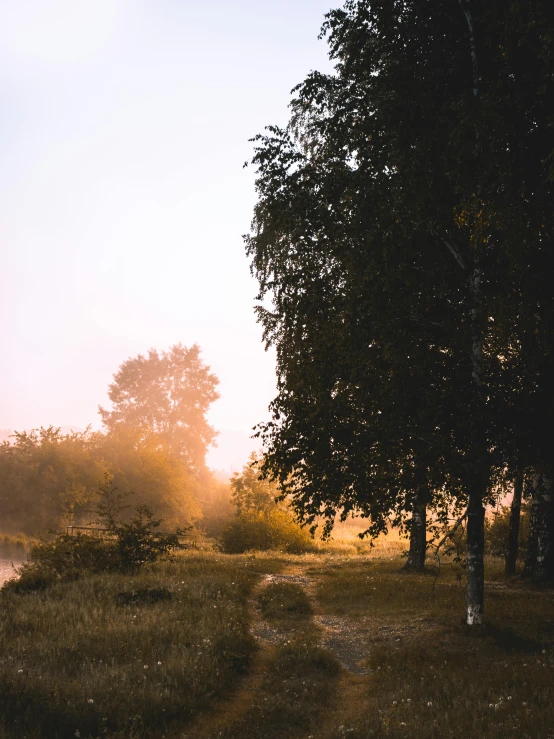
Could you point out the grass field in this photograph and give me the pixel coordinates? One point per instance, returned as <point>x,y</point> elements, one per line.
<point>171,653</point>
<point>89,658</point>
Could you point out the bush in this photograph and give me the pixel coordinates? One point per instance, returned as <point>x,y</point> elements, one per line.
<point>127,547</point>
<point>273,529</point>
<point>64,557</point>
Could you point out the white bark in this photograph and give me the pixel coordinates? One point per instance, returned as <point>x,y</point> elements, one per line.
<point>464,4</point>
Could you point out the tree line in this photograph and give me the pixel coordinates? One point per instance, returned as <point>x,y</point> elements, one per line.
<point>402,243</point>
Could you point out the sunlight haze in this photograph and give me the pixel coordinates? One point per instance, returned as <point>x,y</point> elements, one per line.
<point>124,131</point>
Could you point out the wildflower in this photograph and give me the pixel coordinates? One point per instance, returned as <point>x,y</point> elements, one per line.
<point>429,704</point>
<point>402,723</point>
<point>544,651</point>
<point>159,663</point>
<point>394,703</point>
<point>77,733</point>
<point>20,670</point>
<point>145,667</point>
<point>524,704</point>
<point>491,705</point>
<point>408,700</point>
<point>90,700</point>
<point>509,698</point>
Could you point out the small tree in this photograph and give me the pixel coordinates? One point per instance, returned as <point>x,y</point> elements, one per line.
<point>249,493</point>
<point>139,541</point>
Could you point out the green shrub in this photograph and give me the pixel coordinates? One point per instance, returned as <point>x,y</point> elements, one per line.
<point>127,547</point>
<point>273,529</point>
<point>64,557</point>
<point>496,532</point>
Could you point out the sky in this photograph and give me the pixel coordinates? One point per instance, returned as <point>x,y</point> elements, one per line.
<point>124,128</point>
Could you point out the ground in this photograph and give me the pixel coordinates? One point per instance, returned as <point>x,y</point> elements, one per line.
<point>252,646</point>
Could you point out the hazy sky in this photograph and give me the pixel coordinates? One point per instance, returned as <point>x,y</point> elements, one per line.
<point>124,128</point>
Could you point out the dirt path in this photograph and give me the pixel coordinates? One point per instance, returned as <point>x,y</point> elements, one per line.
<point>345,638</point>
<point>234,708</point>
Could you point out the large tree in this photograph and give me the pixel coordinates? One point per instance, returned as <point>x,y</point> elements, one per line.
<point>166,395</point>
<point>397,232</point>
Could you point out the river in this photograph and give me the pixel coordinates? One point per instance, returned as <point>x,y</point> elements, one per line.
<point>6,569</point>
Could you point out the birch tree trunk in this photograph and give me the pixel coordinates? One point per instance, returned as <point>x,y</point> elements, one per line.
<point>544,569</point>
<point>478,462</point>
<point>418,537</point>
<point>513,533</point>
<point>475,594</point>
<point>478,457</point>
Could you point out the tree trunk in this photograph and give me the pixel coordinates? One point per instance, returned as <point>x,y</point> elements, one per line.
<point>475,594</point>
<point>513,533</point>
<point>418,537</point>
<point>544,569</point>
<point>478,463</point>
<point>531,554</point>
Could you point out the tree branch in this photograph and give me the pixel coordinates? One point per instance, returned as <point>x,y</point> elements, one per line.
<point>451,248</point>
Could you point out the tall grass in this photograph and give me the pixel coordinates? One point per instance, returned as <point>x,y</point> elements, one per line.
<point>431,676</point>
<point>89,658</point>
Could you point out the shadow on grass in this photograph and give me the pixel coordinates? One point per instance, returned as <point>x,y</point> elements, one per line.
<point>509,641</point>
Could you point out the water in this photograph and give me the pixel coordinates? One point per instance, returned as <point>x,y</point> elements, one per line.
<point>6,569</point>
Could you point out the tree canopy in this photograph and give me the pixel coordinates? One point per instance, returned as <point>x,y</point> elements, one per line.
<point>49,479</point>
<point>400,235</point>
<point>166,395</point>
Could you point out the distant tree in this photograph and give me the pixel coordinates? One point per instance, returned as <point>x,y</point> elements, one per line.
<point>251,493</point>
<point>46,479</point>
<point>263,520</point>
<point>49,479</point>
<point>166,395</point>
<point>146,468</point>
